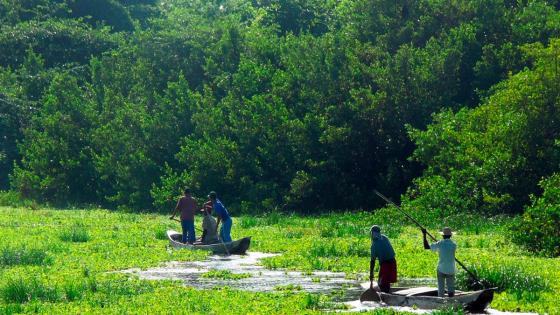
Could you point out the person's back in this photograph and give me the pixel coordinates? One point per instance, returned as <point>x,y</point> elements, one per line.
<point>187,206</point>
<point>223,216</point>
<point>220,210</point>
<point>446,264</point>
<point>209,225</point>
<point>446,249</point>
<point>381,248</point>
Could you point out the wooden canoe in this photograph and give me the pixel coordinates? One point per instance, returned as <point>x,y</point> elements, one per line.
<point>426,298</point>
<point>238,247</point>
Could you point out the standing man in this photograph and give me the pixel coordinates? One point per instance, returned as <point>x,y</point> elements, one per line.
<point>381,249</point>
<point>187,207</point>
<point>446,265</point>
<point>223,216</point>
<point>209,228</point>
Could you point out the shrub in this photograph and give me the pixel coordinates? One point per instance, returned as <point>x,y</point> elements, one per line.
<point>161,234</point>
<point>249,222</point>
<point>13,199</point>
<point>506,278</point>
<point>20,290</point>
<point>76,234</point>
<point>539,227</point>
<point>23,256</point>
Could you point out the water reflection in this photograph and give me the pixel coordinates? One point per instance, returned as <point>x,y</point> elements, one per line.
<point>261,279</point>
<point>335,284</point>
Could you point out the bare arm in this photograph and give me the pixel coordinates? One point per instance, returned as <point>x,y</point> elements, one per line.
<point>218,222</point>
<point>426,245</point>
<point>175,210</point>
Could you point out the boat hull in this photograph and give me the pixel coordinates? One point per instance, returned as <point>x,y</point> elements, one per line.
<point>238,247</point>
<point>426,298</point>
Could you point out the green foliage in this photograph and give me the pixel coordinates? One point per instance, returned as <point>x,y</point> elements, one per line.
<point>487,159</point>
<point>58,161</point>
<point>225,275</point>
<point>277,105</point>
<point>77,234</point>
<point>510,278</point>
<point>80,277</point>
<point>21,290</point>
<point>109,12</point>
<point>23,256</point>
<point>57,41</point>
<point>539,227</point>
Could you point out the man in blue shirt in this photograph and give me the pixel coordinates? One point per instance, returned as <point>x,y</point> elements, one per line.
<point>382,249</point>
<point>223,216</point>
<point>446,265</point>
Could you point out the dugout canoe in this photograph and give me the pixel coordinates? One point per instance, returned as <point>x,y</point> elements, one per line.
<point>426,298</point>
<point>238,247</point>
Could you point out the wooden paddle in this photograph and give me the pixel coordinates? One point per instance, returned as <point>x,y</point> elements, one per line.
<point>473,276</point>
<point>371,294</point>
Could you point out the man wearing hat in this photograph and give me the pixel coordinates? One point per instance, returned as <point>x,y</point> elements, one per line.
<point>381,249</point>
<point>446,265</point>
<point>223,216</point>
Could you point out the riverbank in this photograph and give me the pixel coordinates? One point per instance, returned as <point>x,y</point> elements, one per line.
<point>59,261</point>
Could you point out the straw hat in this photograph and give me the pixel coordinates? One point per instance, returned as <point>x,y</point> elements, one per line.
<point>446,231</point>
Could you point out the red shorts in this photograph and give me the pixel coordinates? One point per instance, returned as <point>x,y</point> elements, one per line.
<point>387,272</point>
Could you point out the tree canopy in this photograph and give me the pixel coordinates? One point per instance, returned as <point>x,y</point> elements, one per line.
<point>288,105</point>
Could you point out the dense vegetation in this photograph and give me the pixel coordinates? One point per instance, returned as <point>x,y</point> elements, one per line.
<point>57,262</point>
<point>293,105</point>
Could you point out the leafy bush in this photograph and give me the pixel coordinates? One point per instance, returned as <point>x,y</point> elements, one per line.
<point>57,41</point>
<point>13,199</point>
<point>21,290</point>
<point>539,227</point>
<point>76,234</point>
<point>509,278</point>
<point>23,256</point>
<point>488,159</point>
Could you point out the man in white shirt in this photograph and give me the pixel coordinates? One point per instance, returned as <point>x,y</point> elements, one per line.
<point>446,265</point>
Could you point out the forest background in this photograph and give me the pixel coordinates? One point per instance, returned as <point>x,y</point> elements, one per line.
<point>449,106</point>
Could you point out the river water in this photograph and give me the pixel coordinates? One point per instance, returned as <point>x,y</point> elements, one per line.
<point>258,278</point>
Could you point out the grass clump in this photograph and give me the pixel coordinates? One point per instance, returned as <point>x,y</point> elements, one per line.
<point>505,278</point>
<point>225,275</point>
<point>24,256</point>
<point>76,234</point>
<point>22,290</point>
<point>249,222</point>
<point>288,287</point>
<point>161,234</point>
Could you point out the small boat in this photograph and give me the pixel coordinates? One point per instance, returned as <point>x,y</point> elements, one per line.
<point>238,247</point>
<point>426,298</point>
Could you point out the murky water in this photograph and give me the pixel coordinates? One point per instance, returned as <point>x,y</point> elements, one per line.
<point>336,284</point>
<point>261,279</point>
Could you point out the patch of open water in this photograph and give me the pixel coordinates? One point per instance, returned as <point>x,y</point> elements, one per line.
<point>335,284</point>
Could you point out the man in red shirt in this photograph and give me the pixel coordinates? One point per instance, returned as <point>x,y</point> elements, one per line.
<point>187,207</point>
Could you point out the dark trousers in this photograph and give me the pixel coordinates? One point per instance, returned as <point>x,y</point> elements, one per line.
<point>188,231</point>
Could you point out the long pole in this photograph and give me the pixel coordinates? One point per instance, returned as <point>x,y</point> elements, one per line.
<point>428,233</point>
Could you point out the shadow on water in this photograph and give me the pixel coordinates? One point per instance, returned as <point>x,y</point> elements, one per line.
<point>252,276</point>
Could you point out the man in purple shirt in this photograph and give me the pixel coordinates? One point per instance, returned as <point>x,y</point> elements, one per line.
<point>187,207</point>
